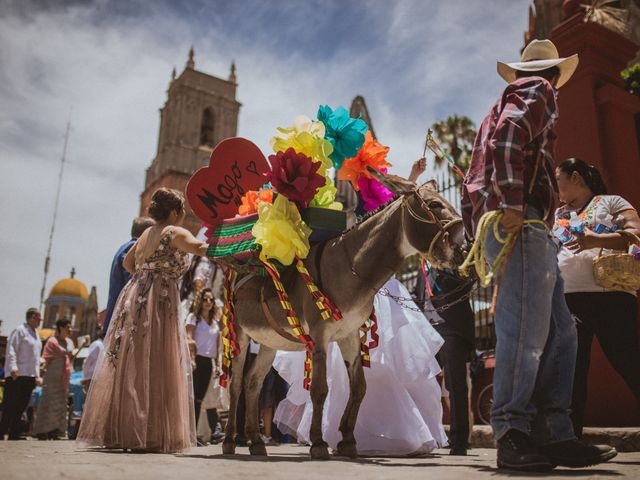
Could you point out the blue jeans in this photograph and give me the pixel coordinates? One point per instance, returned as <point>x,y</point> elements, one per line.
<point>536,340</point>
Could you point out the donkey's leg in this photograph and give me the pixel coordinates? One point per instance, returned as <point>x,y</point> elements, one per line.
<point>350,348</point>
<point>252,387</point>
<point>235,387</point>
<point>319,390</point>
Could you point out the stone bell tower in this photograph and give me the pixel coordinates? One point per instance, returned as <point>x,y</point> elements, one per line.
<point>200,110</point>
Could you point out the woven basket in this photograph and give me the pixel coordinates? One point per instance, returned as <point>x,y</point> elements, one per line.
<point>618,271</point>
<point>232,245</point>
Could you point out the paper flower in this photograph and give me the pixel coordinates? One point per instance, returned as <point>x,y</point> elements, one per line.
<point>305,137</point>
<point>252,198</point>
<point>326,196</point>
<point>346,134</point>
<point>281,232</point>
<point>372,154</point>
<point>295,176</point>
<point>373,192</point>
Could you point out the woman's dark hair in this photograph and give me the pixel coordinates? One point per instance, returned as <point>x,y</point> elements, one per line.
<point>548,74</point>
<point>62,323</point>
<point>196,305</point>
<point>589,174</point>
<point>163,202</point>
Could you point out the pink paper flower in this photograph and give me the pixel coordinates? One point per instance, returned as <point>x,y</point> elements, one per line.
<point>373,192</point>
<point>295,176</point>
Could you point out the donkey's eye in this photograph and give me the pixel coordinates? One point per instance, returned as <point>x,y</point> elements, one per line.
<point>435,204</point>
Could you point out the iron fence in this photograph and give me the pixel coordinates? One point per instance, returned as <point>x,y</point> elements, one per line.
<point>450,187</point>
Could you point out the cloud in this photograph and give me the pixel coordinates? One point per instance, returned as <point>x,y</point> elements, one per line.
<point>106,65</point>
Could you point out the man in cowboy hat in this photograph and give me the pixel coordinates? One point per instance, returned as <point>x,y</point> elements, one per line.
<point>512,170</point>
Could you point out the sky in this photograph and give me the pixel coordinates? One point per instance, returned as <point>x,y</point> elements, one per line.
<point>105,66</point>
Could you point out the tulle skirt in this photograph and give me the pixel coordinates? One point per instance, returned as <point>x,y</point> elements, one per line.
<point>141,394</point>
<point>401,412</point>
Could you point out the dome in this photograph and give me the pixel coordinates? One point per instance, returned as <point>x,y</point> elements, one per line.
<point>69,287</point>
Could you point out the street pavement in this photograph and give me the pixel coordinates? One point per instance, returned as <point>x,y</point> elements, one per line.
<point>47,460</point>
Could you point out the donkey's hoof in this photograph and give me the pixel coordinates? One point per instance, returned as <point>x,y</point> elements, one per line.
<point>228,448</point>
<point>319,451</point>
<point>346,449</point>
<point>258,449</point>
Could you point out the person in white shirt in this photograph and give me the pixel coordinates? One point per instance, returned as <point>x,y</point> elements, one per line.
<point>609,315</point>
<point>21,372</point>
<point>93,357</point>
<point>203,335</point>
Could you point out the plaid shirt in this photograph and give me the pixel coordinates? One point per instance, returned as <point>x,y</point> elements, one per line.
<point>517,133</point>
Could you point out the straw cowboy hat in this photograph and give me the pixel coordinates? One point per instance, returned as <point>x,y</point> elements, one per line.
<point>540,55</point>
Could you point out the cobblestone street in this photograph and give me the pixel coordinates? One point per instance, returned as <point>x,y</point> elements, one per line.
<point>64,460</point>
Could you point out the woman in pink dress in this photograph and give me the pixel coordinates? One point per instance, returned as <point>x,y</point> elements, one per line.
<point>51,415</point>
<point>141,395</point>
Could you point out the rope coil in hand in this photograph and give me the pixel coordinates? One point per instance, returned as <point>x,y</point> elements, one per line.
<point>477,257</point>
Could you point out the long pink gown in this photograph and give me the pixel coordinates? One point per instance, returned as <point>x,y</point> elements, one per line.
<point>141,395</point>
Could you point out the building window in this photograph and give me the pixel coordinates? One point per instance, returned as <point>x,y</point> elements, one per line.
<point>206,130</point>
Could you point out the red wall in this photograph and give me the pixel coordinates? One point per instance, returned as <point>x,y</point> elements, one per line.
<point>597,125</point>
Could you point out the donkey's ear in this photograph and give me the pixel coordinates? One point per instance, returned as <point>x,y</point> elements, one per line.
<point>431,185</point>
<point>394,183</point>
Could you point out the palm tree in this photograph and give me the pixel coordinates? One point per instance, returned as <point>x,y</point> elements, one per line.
<point>456,135</point>
<point>607,14</point>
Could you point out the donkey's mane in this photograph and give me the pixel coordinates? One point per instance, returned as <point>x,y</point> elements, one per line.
<point>362,218</point>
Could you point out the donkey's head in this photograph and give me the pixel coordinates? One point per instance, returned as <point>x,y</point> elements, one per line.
<point>431,224</point>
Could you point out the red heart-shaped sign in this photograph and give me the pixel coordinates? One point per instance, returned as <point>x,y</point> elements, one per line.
<point>236,166</point>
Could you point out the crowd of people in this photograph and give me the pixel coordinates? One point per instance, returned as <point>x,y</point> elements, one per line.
<point>155,369</point>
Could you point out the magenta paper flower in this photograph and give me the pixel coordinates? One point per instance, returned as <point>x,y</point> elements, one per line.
<point>295,176</point>
<point>373,193</point>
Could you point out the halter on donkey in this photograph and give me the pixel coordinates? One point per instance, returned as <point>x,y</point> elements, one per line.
<point>350,270</point>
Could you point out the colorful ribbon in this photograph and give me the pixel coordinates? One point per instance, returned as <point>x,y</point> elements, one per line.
<point>327,308</point>
<point>368,329</point>
<point>292,318</point>
<point>230,347</point>
<point>425,273</point>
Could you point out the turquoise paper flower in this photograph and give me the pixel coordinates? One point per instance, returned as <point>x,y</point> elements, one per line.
<point>346,134</point>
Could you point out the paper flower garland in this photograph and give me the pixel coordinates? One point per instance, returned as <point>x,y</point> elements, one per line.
<point>252,198</point>
<point>295,176</point>
<point>373,192</point>
<point>326,196</point>
<point>305,137</point>
<point>372,154</point>
<point>281,232</point>
<point>346,134</point>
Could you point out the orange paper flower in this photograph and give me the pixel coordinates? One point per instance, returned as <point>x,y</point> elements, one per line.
<point>251,200</point>
<point>372,154</point>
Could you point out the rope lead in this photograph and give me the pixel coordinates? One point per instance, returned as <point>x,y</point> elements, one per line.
<point>477,258</point>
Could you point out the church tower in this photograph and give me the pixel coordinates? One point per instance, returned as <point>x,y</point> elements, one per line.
<point>199,112</point>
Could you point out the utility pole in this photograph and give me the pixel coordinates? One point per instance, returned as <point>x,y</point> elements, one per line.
<point>55,214</point>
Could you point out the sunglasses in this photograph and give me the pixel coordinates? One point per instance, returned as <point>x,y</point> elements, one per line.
<point>207,299</point>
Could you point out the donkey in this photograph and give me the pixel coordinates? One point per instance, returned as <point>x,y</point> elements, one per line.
<point>349,269</point>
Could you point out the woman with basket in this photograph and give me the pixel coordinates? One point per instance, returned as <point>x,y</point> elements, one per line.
<point>600,277</point>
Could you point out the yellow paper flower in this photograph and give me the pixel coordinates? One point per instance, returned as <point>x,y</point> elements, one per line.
<point>281,232</point>
<point>306,137</point>
<point>326,196</point>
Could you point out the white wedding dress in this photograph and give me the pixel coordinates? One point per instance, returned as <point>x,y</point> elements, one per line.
<point>401,412</point>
